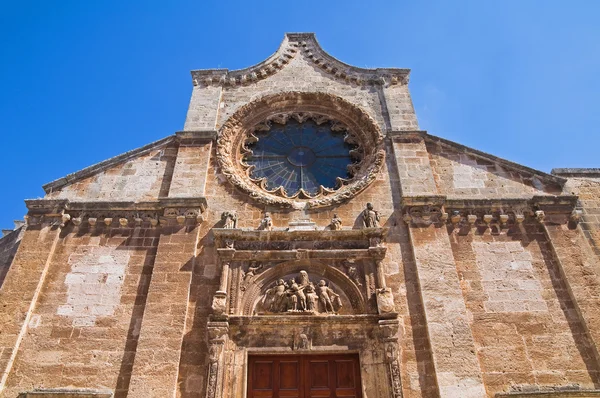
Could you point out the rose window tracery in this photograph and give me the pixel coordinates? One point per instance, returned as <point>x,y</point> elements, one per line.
<point>301,156</point>
<point>300,150</point>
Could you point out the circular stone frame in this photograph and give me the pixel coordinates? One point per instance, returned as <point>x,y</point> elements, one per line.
<point>253,116</point>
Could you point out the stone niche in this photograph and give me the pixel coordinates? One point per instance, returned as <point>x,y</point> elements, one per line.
<point>301,292</point>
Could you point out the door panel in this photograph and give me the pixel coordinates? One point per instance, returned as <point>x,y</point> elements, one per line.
<point>304,376</point>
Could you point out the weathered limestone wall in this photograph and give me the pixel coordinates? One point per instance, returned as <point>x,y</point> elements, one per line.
<point>414,170</point>
<point>587,188</point>
<point>203,109</point>
<point>8,248</point>
<point>20,291</point>
<point>527,334</point>
<point>189,175</point>
<point>457,368</point>
<point>460,174</point>
<point>143,178</point>
<point>399,107</point>
<point>83,331</point>
<point>155,369</point>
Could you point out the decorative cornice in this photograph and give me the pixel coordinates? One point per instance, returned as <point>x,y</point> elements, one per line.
<point>577,172</point>
<point>292,44</point>
<point>164,211</point>
<point>242,244</point>
<point>485,212</point>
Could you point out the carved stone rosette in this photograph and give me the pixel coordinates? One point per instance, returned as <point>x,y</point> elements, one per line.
<point>361,131</point>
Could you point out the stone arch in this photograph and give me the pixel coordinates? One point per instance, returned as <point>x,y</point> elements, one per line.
<point>355,120</point>
<point>316,269</point>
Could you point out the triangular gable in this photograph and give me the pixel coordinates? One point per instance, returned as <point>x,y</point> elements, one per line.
<point>58,188</point>
<point>460,171</point>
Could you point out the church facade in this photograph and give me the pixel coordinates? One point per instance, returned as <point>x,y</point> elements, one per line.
<point>301,237</point>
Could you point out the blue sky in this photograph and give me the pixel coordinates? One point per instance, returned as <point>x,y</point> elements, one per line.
<point>83,81</point>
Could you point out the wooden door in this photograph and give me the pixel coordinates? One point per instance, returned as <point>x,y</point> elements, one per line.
<point>304,376</point>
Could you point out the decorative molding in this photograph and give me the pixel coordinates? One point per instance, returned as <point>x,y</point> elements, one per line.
<point>257,114</point>
<point>164,211</point>
<point>261,245</point>
<point>292,45</point>
<point>487,212</point>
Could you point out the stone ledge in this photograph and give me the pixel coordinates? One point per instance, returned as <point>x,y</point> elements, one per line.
<point>66,393</point>
<point>551,394</point>
<point>577,172</point>
<point>191,136</point>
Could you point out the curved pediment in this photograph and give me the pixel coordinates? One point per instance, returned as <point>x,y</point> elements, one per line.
<point>292,45</point>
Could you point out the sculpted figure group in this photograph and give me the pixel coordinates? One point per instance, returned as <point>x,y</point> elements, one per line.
<point>299,294</point>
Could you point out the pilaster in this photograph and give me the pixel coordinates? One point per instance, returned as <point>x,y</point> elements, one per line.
<point>453,349</point>
<point>24,282</point>
<point>156,365</point>
<point>192,163</point>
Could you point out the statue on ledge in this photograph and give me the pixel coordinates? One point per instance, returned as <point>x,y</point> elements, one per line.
<point>266,224</point>
<point>370,217</point>
<point>336,223</point>
<point>229,219</point>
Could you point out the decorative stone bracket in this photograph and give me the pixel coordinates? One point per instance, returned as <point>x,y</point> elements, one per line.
<point>164,211</point>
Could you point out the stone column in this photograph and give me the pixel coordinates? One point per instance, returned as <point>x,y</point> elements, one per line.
<point>453,349</point>
<point>156,365</point>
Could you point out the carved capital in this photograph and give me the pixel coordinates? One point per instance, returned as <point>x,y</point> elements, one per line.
<point>219,303</point>
<point>217,332</point>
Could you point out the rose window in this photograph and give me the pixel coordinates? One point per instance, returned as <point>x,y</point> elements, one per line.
<point>300,156</point>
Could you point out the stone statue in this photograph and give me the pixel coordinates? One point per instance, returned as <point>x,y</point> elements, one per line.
<point>325,297</point>
<point>336,223</point>
<point>311,298</point>
<point>229,219</point>
<point>253,269</point>
<point>266,224</point>
<point>274,299</point>
<point>351,271</point>
<point>370,217</point>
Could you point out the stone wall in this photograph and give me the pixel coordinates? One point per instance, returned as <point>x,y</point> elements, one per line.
<point>461,174</point>
<point>8,248</point>
<point>83,331</point>
<point>143,178</point>
<point>527,333</point>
